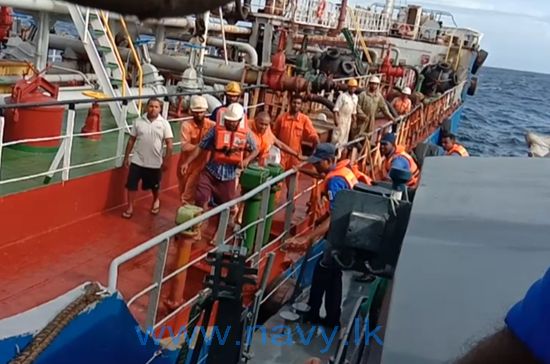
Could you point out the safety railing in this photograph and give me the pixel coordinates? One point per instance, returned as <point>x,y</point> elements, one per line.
<point>64,160</point>
<point>369,161</point>
<point>136,58</point>
<point>366,20</point>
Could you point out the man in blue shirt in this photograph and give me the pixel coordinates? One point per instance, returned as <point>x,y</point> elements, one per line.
<point>395,157</point>
<point>327,277</point>
<point>526,337</point>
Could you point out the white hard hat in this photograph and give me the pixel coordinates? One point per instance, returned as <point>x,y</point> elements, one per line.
<point>198,103</point>
<point>374,79</point>
<point>234,112</point>
<point>406,91</point>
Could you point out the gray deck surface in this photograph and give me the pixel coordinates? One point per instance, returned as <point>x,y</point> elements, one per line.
<point>479,235</point>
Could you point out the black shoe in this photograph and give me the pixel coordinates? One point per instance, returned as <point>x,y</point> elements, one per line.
<point>312,319</point>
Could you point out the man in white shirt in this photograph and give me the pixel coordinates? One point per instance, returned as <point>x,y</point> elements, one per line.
<point>345,111</point>
<point>147,137</point>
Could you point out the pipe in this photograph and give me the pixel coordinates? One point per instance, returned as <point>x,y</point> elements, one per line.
<point>215,68</point>
<point>252,58</point>
<point>388,9</point>
<point>53,6</point>
<point>341,19</point>
<point>10,80</point>
<point>213,102</point>
<point>394,49</point>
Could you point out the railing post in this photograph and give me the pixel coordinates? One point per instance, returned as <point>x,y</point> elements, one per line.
<point>258,240</point>
<point>165,107</point>
<point>121,132</point>
<point>69,133</point>
<point>1,140</point>
<point>222,226</point>
<point>86,22</point>
<point>290,208</point>
<point>154,297</point>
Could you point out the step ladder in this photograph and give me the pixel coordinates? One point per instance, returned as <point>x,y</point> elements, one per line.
<point>104,58</point>
<point>454,52</point>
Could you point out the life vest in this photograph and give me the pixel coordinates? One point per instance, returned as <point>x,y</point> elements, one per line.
<point>229,146</point>
<point>361,177</point>
<point>402,106</point>
<point>342,170</point>
<point>458,149</point>
<point>400,152</point>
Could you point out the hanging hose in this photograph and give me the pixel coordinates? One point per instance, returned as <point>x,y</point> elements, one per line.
<point>48,334</point>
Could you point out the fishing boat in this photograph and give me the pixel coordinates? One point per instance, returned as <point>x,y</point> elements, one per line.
<point>78,278</point>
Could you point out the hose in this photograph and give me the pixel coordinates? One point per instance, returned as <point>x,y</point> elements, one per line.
<point>321,100</point>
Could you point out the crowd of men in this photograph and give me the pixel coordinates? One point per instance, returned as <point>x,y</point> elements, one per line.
<point>215,148</point>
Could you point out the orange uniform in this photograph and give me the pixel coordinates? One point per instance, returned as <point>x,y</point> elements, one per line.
<point>264,142</point>
<point>293,131</point>
<point>415,171</point>
<point>192,134</point>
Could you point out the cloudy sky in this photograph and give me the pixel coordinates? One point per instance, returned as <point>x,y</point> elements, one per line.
<point>516,32</point>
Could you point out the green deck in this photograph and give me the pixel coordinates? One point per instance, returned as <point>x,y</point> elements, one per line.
<point>17,163</point>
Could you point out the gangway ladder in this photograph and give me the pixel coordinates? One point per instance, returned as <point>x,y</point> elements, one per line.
<point>104,58</point>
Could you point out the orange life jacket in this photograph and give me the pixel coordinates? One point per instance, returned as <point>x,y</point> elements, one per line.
<point>402,106</point>
<point>361,177</point>
<point>458,149</point>
<point>229,146</point>
<point>400,152</point>
<point>342,170</point>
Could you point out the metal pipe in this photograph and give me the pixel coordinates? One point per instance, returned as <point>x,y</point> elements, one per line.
<point>250,51</point>
<point>10,80</point>
<point>160,36</point>
<point>214,68</point>
<point>388,9</point>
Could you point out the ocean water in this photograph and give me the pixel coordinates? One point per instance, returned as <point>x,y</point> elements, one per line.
<point>507,104</point>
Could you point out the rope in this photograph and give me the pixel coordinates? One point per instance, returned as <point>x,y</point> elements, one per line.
<point>48,334</point>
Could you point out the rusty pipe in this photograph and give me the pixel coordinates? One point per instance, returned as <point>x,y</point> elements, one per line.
<point>144,9</point>
<point>341,19</point>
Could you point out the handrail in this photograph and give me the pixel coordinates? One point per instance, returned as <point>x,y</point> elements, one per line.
<point>116,52</point>
<point>136,60</point>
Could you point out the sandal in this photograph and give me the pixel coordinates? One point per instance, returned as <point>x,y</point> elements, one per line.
<point>156,208</point>
<point>127,214</point>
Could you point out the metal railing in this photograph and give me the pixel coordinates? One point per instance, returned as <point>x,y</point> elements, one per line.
<point>63,160</point>
<point>369,159</point>
<point>137,60</point>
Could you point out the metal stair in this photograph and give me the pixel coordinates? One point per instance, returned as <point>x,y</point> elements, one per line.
<point>104,58</point>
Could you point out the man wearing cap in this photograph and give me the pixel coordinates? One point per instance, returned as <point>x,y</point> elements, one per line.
<point>369,103</point>
<point>396,157</point>
<point>192,132</point>
<point>229,146</point>
<point>345,111</point>
<point>451,147</point>
<point>327,277</point>
<point>232,94</point>
<point>403,103</point>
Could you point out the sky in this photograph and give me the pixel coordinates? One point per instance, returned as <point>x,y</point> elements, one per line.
<point>516,32</point>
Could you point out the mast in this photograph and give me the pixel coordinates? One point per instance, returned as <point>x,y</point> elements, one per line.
<point>388,9</point>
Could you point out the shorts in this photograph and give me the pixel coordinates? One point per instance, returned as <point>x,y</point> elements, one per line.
<point>150,178</point>
<point>209,187</point>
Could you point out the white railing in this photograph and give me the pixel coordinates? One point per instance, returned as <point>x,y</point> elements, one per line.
<point>63,160</point>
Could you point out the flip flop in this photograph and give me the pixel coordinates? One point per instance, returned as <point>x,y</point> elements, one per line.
<point>127,215</point>
<point>156,208</point>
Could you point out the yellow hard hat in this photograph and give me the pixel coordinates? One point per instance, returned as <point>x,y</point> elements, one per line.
<point>233,89</point>
<point>353,83</point>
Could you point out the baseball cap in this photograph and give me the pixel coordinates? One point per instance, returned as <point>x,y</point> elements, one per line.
<point>323,152</point>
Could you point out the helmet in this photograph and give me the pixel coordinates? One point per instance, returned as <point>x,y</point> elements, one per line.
<point>198,103</point>
<point>234,112</point>
<point>406,91</point>
<point>374,79</point>
<point>233,89</point>
<point>353,83</point>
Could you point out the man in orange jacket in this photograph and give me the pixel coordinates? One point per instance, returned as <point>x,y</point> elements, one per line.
<point>451,147</point>
<point>395,156</point>
<point>327,277</point>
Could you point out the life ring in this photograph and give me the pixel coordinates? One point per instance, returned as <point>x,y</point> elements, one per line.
<point>321,8</point>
